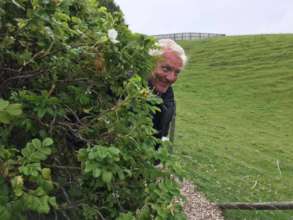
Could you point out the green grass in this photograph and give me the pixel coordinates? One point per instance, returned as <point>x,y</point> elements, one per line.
<point>234,121</point>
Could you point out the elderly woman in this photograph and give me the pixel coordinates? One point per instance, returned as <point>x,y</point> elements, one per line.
<point>171,61</point>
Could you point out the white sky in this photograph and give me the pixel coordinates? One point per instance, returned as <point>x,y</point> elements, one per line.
<point>231,17</point>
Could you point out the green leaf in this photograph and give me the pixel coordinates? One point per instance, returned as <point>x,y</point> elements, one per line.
<point>44,205</point>
<point>121,175</point>
<point>14,109</point>
<point>143,213</point>
<point>17,185</point>
<point>4,117</point>
<point>89,166</point>
<point>114,150</point>
<point>46,173</point>
<point>46,151</point>
<point>35,3</point>
<point>126,216</point>
<point>75,20</point>
<point>39,192</point>
<point>3,104</point>
<point>41,112</point>
<point>163,213</point>
<point>4,192</point>
<point>4,213</point>
<point>97,172</point>
<point>62,16</point>
<point>107,176</point>
<point>27,151</point>
<point>4,153</point>
<point>37,143</point>
<point>35,203</point>
<point>92,155</point>
<point>52,202</point>
<point>82,154</point>
<point>47,142</point>
<point>38,156</point>
<point>32,169</point>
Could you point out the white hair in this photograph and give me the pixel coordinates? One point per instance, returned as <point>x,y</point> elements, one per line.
<point>168,44</point>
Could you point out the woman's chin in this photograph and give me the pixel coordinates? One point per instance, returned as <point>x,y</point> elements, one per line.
<point>161,89</point>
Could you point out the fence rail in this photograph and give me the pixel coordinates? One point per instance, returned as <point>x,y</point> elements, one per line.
<point>188,36</point>
<point>258,206</point>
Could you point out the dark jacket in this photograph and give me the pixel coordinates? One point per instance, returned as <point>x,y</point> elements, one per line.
<point>163,118</point>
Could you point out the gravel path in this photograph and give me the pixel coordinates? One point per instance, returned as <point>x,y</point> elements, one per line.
<point>197,207</point>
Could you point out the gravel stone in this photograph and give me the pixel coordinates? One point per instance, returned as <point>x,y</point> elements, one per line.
<point>197,207</point>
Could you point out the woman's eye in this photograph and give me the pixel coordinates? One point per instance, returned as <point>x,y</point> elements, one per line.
<point>165,68</point>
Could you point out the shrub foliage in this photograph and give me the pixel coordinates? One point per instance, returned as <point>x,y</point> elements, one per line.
<point>76,136</point>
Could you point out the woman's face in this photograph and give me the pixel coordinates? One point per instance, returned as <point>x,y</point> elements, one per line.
<point>166,71</point>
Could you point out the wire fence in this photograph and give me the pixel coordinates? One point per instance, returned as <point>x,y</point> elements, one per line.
<point>188,36</point>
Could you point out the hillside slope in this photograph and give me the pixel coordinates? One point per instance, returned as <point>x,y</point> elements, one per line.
<point>234,128</point>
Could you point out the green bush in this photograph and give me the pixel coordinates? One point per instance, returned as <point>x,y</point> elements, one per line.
<point>76,136</point>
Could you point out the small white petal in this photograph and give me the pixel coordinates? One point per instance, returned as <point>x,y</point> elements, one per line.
<point>165,139</point>
<point>155,52</point>
<point>113,34</point>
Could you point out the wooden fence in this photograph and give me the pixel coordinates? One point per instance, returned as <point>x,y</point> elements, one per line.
<point>257,206</point>
<point>188,36</point>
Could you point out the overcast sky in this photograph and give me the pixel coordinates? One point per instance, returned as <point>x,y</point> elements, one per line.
<point>231,17</point>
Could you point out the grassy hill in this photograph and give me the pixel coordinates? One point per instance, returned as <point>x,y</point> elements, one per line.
<point>234,128</point>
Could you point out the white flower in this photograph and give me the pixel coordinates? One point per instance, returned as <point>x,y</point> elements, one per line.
<point>165,139</point>
<point>112,34</point>
<point>155,52</point>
